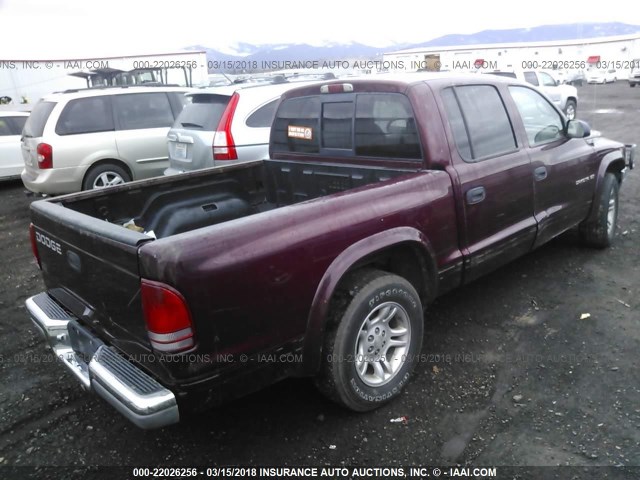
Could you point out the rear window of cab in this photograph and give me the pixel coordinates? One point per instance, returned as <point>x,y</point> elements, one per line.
<point>378,125</point>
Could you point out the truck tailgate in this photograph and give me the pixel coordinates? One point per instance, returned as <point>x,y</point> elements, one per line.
<point>90,266</point>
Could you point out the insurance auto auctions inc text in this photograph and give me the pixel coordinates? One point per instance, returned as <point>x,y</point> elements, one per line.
<point>374,472</point>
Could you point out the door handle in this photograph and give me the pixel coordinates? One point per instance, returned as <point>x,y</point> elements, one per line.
<point>540,173</point>
<point>475,195</point>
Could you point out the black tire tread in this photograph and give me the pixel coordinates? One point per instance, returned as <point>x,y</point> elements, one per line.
<point>594,234</point>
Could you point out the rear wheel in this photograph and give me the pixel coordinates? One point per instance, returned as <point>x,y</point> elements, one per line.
<point>105,175</point>
<point>602,230</point>
<point>371,346</point>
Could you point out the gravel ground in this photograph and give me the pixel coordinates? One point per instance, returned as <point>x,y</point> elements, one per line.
<point>510,374</point>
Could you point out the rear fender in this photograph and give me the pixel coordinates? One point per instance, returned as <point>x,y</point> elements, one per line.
<point>316,323</point>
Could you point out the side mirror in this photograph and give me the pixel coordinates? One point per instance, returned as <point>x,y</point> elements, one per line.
<point>578,129</point>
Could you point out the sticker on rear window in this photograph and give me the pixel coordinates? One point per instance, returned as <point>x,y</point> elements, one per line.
<point>305,133</point>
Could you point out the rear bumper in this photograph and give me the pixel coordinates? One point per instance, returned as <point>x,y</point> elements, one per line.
<point>54,181</point>
<point>136,395</point>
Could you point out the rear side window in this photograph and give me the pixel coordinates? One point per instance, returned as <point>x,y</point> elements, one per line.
<point>488,130</point>
<point>263,117</point>
<point>85,115</point>
<point>203,113</point>
<point>34,127</point>
<point>142,110</point>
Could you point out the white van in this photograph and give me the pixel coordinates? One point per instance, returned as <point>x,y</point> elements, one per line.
<point>94,138</point>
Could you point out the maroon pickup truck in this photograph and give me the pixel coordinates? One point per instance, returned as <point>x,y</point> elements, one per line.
<point>166,296</point>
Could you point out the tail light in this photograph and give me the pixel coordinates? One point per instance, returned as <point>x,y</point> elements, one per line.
<point>45,156</point>
<point>34,244</point>
<point>167,317</point>
<point>224,147</point>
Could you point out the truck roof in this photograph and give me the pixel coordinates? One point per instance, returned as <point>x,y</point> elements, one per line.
<point>399,82</point>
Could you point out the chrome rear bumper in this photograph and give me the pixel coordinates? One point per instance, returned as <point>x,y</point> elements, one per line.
<point>132,392</point>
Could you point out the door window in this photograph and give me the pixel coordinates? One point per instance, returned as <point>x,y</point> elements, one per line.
<point>542,122</point>
<point>487,125</point>
<point>142,110</point>
<point>547,80</point>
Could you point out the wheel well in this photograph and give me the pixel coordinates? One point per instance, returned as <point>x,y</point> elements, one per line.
<point>575,100</point>
<point>406,260</point>
<point>616,168</point>
<point>112,161</point>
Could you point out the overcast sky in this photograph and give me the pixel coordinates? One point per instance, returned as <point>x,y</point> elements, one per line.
<point>41,29</point>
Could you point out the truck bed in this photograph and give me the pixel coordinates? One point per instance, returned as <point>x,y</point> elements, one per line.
<point>169,206</point>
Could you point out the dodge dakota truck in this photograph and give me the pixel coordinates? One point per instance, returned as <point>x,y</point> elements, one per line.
<point>170,295</point>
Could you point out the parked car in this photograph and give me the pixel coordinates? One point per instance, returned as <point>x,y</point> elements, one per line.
<point>634,75</point>
<point>565,97</point>
<point>224,125</point>
<point>378,196</point>
<point>94,138</point>
<point>576,78</point>
<point>11,124</point>
<point>602,76</point>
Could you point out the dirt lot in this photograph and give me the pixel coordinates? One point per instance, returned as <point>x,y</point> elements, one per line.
<point>510,374</point>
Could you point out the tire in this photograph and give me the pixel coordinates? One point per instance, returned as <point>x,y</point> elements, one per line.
<point>105,175</point>
<point>362,370</point>
<point>632,85</point>
<point>570,109</point>
<point>601,232</point>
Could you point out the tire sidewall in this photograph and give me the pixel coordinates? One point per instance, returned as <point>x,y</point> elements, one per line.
<point>354,391</point>
<point>610,190</point>
<point>98,170</point>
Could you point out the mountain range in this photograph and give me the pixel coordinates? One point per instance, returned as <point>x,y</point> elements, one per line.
<point>334,51</point>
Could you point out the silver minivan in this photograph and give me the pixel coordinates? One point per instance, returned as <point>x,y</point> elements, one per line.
<point>94,138</point>
<point>224,125</point>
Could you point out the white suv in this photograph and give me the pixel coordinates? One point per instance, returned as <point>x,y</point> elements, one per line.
<point>224,125</point>
<point>565,97</point>
<point>93,138</point>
